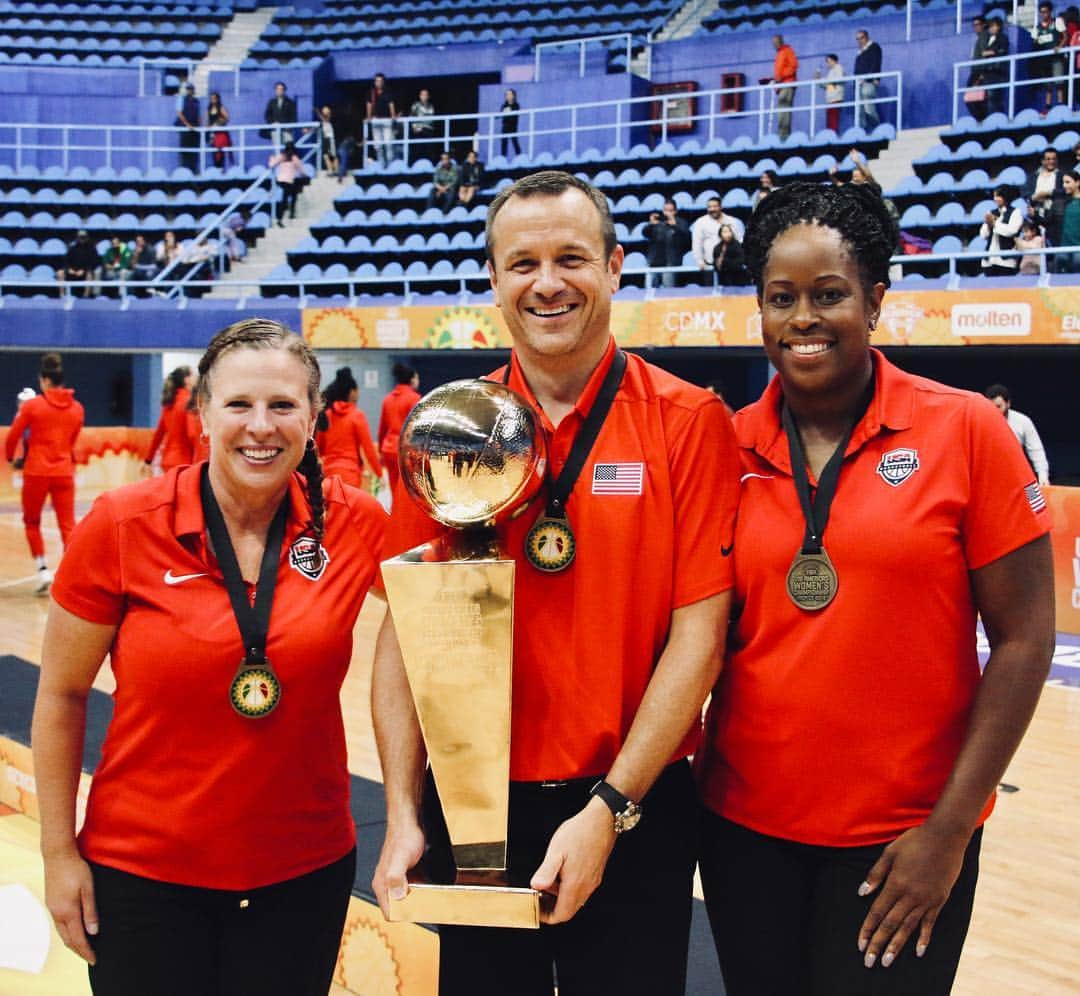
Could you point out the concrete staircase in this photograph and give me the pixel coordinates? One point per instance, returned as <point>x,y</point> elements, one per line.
<point>894,163</point>
<point>685,21</point>
<point>232,46</point>
<point>315,199</point>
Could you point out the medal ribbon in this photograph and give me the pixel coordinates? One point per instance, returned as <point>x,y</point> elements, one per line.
<point>252,621</point>
<point>560,488</point>
<point>816,510</point>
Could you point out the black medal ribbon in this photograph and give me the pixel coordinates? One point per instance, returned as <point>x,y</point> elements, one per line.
<point>816,510</point>
<point>253,621</point>
<point>554,520</point>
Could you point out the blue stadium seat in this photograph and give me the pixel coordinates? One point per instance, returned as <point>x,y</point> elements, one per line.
<point>917,214</point>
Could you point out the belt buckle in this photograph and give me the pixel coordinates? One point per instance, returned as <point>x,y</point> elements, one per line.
<point>554,784</point>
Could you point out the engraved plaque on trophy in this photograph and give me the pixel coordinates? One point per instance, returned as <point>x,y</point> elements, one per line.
<point>470,452</point>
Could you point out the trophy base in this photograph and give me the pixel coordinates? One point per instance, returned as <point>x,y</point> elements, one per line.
<point>468,906</point>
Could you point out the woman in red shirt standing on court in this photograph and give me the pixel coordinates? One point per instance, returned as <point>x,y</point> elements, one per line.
<point>54,419</point>
<point>343,436</point>
<point>395,409</point>
<point>852,745</point>
<point>218,850</point>
<point>172,425</point>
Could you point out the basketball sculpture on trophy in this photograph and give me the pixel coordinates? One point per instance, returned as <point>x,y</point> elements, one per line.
<point>471,452</point>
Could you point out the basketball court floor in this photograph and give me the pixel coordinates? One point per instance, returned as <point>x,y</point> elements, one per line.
<point>1025,935</point>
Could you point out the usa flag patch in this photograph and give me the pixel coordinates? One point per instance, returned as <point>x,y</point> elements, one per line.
<point>617,478</point>
<point>1034,496</point>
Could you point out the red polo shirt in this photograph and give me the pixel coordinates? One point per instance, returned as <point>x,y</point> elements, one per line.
<point>586,640</point>
<point>187,790</point>
<point>840,727</point>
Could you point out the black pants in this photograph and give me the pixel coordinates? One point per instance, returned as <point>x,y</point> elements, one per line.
<point>786,918</point>
<point>189,142</point>
<point>630,937</point>
<point>506,141</point>
<point>160,939</point>
<point>288,199</point>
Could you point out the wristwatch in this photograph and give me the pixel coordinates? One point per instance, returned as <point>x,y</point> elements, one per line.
<point>627,812</point>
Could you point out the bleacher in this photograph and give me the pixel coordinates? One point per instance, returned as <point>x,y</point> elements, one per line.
<point>110,34</point>
<point>303,37</point>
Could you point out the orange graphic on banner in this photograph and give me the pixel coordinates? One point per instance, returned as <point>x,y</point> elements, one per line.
<point>969,316</point>
<point>1065,509</point>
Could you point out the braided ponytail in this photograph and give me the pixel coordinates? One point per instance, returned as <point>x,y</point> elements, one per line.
<point>311,468</point>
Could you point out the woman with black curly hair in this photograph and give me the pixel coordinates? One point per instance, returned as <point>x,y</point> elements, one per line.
<point>218,849</point>
<point>852,746</point>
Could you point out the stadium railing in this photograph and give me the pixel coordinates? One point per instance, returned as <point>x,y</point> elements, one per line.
<point>1010,65</point>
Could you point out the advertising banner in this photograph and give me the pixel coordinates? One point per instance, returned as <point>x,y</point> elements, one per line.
<point>996,316</point>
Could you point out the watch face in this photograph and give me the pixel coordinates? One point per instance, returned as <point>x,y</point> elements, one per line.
<point>628,818</point>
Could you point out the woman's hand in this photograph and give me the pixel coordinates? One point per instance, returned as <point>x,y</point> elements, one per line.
<point>69,896</point>
<point>917,872</point>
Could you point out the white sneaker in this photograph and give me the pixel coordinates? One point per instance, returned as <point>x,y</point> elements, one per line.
<point>45,580</point>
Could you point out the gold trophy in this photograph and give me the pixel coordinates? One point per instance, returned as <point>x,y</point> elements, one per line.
<point>471,452</point>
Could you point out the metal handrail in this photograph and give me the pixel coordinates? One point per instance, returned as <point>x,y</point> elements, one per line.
<point>410,283</point>
<point>484,127</point>
<point>188,66</point>
<point>308,142</point>
<point>1068,78</point>
<point>115,139</point>
<point>581,44</point>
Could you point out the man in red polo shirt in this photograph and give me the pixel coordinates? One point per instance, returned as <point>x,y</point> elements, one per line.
<point>614,652</point>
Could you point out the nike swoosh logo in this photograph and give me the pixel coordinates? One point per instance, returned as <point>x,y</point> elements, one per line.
<point>726,550</point>
<point>171,578</point>
<point>763,477</point>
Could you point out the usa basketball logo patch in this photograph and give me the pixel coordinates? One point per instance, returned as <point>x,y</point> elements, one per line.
<point>897,466</point>
<point>308,556</point>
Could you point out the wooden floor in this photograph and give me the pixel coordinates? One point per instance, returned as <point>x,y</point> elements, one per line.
<point>1025,936</point>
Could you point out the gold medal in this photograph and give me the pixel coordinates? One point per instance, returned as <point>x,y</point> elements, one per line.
<point>255,691</point>
<point>550,545</point>
<point>812,581</point>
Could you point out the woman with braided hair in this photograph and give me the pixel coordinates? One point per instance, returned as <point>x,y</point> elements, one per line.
<point>852,746</point>
<point>217,854</point>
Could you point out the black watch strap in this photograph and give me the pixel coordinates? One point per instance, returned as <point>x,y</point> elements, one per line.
<point>612,797</point>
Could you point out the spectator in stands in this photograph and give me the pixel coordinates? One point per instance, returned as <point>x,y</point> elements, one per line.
<point>510,112</point>
<point>975,103</point>
<point>381,113</point>
<point>834,91</point>
<point>1045,193</point>
<point>785,70</point>
<point>728,259</point>
<point>1000,228</point>
<point>350,129</point>
<point>280,111</point>
<point>669,239</point>
<point>144,262</point>
<point>116,264</point>
<point>868,64</point>
<point>421,127</point>
<point>82,262</point>
<point>327,140</point>
<point>1024,429</point>
<point>229,233</point>
<point>170,252</point>
<point>288,169</point>
<point>1047,37</point>
<point>1070,225</point>
<point>1030,240</point>
<point>768,182</point>
<point>996,72</point>
<point>217,117</point>
<point>472,176</point>
<point>188,119</point>
<point>705,232</point>
<point>444,183</point>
